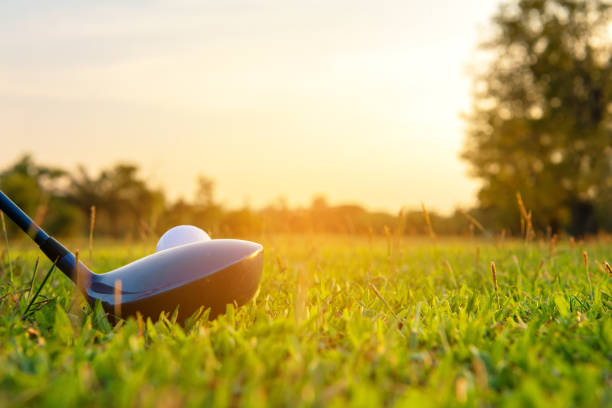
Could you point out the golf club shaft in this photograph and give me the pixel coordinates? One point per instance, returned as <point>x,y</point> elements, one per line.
<point>55,251</point>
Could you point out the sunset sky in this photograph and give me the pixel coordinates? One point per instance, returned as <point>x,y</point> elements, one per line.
<point>358,100</point>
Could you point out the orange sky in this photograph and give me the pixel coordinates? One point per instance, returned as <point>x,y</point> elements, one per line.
<point>357,100</point>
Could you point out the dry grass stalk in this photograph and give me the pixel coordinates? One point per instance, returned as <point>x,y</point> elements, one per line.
<point>281,265</point>
<point>8,255</point>
<point>430,229</point>
<point>473,221</point>
<point>526,225</point>
<point>141,324</point>
<point>92,223</point>
<point>118,298</point>
<point>79,284</point>
<point>609,268</point>
<point>494,274</point>
<point>80,287</point>
<point>530,232</point>
<point>377,293</point>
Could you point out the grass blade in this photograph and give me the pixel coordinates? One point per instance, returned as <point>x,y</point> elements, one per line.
<point>34,275</point>
<point>399,321</point>
<point>25,313</point>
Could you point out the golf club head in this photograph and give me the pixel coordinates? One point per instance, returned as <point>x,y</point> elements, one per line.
<point>211,274</point>
<point>206,273</point>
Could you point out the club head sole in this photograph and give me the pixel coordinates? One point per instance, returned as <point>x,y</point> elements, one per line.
<point>235,284</point>
<point>201,285</point>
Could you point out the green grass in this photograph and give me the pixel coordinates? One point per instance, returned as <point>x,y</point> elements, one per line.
<point>337,321</point>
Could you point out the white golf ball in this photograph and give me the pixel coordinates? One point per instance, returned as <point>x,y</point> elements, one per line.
<point>181,235</point>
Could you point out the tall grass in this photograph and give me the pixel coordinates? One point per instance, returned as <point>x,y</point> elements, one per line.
<point>8,254</point>
<point>430,229</point>
<point>92,224</point>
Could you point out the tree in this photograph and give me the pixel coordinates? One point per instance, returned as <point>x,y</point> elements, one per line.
<point>36,188</point>
<point>541,115</point>
<point>125,204</point>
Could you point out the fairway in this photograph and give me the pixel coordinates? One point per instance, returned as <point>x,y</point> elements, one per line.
<point>338,320</point>
<point>306,204</point>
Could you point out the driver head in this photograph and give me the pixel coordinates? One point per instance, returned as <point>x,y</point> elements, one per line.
<point>211,274</point>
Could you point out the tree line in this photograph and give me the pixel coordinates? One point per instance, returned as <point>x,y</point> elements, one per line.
<point>122,204</point>
<point>126,206</point>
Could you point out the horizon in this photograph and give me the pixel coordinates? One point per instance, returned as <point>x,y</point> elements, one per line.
<point>353,103</point>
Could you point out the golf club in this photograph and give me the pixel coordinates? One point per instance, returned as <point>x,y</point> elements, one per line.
<point>211,273</point>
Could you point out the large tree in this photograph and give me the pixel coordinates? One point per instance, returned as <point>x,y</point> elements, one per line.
<point>540,122</point>
<point>125,204</point>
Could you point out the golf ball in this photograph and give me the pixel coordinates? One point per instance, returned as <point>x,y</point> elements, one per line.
<point>181,235</point>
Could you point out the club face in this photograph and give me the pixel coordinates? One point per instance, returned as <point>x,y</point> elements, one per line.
<point>211,274</point>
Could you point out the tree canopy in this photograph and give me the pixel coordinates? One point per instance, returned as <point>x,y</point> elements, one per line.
<point>540,121</point>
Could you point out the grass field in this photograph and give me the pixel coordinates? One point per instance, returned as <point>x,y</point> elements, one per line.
<point>337,321</point>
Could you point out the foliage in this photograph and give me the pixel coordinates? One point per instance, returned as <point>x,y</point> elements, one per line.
<point>33,187</point>
<point>125,204</point>
<point>338,321</point>
<point>540,122</point>
<point>128,207</point>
